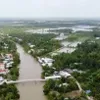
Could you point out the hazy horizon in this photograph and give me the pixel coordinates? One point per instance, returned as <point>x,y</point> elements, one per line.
<point>33,9</point>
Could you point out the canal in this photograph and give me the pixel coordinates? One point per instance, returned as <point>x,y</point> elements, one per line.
<point>29,68</point>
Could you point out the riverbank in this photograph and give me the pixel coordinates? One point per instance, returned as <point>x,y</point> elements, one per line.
<point>9,60</point>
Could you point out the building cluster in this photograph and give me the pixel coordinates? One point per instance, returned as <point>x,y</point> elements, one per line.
<point>6,62</point>
<point>18,39</point>
<point>58,75</point>
<point>49,63</point>
<point>31,46</point>
<point>46,61</point>
<point>61,37</point>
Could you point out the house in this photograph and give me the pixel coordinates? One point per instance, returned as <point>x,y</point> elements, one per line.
<point>30,51</point>
<point>88,91</point>
<point>97,38</point>
<point>68,70</point>
<point>66,99</point>
<point>50,64</point>
<point>79,71</point>
<point>56,73</point>
<point>61,37</point>
<point>20,40</point>
<point>43,64</point>
<point>39,59</point>
<point>8,57</point>
<point>2,66</point>
<point>52,77</point>
<point>1,78</point>
<point>8,65</point>
<point>2,56</point>
<point>63,84</point>
<point>54,54</point>
<point>5,47</point>
<point>64,74</point>
<point>3,71</point>
<point>5,61</point>
<point>30,45</point>
<point>75,44</point>
<point>45,61</point>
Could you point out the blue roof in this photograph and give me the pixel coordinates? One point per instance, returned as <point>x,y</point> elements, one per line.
<point>88,91</point>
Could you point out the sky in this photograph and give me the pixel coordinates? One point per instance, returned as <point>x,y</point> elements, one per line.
<point>49,8</point>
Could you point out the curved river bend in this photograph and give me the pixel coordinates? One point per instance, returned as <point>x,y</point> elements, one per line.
<point>29,68</point>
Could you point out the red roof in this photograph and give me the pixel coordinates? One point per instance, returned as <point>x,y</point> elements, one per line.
<point>2,70</point>
<point>1,63</point>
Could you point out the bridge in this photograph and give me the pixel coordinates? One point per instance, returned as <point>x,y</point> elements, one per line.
<point>29,80</point>
<point>23,81</point>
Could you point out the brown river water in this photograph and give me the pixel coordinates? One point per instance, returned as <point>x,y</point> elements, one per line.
<point>29,68</point>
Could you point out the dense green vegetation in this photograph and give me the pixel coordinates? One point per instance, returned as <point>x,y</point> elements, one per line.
<point>8,92</point>
<point>6,42</point>
<point>81,36</point>
<point>87,59</point>
<point>55,90</point>
<point>44,43</point>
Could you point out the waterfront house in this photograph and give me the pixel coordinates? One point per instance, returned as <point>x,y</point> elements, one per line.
<point>53,77</point>
<point>1,78</point>
<point>64,74</point>
<point>5,61</point>
<point>9,64</point>
<point>9,56</point>
<point>3,71</point>
<point>46,61</point>
<point>2,66</point>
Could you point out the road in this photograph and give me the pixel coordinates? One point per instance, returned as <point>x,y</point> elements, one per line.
<point>80,88</point>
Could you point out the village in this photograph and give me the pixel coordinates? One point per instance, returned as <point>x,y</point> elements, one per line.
<point>6,62</point>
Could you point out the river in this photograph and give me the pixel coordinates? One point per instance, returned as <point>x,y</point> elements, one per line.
<point>29,68</point>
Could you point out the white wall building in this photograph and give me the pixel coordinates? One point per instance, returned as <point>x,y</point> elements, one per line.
<point>64,74</point>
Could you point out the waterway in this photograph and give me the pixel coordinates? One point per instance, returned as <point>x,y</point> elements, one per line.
<point>29,68</point>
